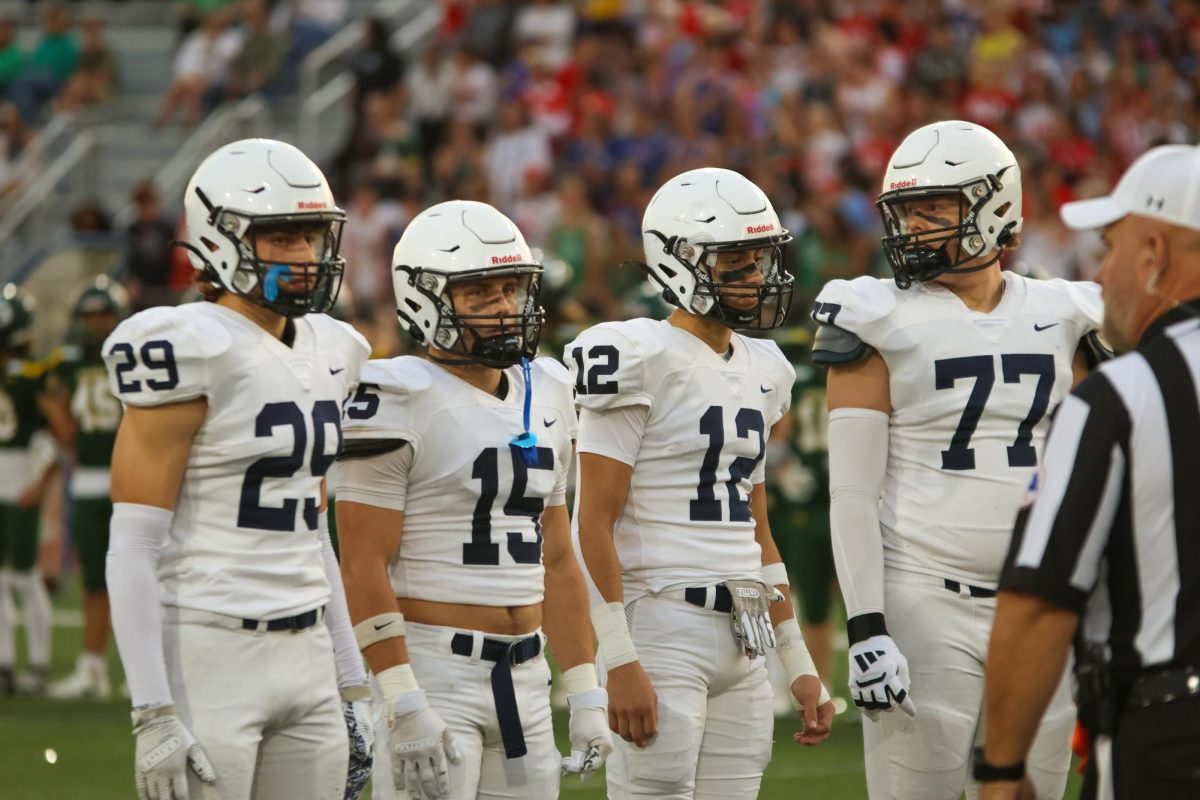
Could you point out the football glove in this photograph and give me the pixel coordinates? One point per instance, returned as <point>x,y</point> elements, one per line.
<point>420,745</point>
<point>751,617</point>
<point>356,709</point>
<point>879,677</point>
<point>591,741</point>
<point>164,751</point>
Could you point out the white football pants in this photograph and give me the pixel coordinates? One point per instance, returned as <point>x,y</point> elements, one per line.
<point>944,635</point>
<point>264,706</point>
<point>459,689</point>
<point>715,708</point>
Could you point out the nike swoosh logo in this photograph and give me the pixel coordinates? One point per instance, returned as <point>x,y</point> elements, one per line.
<point>763,389</point>
<point>549,422</point>
<point>1037,327</point>
<point>333,371</point>
<point>381,627</point>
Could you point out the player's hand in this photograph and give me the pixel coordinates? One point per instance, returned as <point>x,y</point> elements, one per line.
<point>590,740</point>
<point>632,704</point>
<point>817,716</point>
<point>356,709</point>
<point>420,745</point>
<point>1008,790</point>
<point>879,677</point>
<point>164,751</point>
<point>751,616</point>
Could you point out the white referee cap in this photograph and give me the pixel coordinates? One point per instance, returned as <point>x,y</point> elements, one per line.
<point>1163,183</point>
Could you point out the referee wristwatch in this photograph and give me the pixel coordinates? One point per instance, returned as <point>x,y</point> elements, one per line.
<point>988,773</point>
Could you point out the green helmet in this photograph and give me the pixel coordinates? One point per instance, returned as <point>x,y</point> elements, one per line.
<point>101,296</point>
<point>16,318</point>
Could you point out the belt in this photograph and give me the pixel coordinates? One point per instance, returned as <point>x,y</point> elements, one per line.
<point>506,655</point>
<point>1164,686</point>
<point>714,598</point>
<point>974,591</point>
<point>297,623</point>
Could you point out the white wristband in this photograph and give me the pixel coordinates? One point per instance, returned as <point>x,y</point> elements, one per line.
<point>775,574</point>
<point>616,645</point>
<point>580,679</point>
<point>793,654</point>
<point>376,629</point>
<point>397,680</point>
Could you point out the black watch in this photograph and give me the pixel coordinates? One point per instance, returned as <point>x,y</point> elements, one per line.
<point>987,773</point>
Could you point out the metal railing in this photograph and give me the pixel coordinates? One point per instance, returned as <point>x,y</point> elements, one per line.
<point>320,98</point>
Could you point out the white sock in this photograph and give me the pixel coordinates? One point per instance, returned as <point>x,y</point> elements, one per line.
<point>35,603</point>
<point>8,620</point>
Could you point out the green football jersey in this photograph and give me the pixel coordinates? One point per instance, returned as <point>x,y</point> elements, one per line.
<point>97,413</point>
<point>20,416</point>
<point>810,420</point>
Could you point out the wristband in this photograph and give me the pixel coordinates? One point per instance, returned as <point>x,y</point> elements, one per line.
<point>379,628</point>
<point>354,694</point>
<point>580,678</point>
<point>793,654</point>
<point>397,680</point>
<point>775,574</point>
<point>864,626</point>
<point>616,645</point>
<point>988,773</point>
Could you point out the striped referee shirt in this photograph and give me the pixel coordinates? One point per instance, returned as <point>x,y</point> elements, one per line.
<point>1113,529</point>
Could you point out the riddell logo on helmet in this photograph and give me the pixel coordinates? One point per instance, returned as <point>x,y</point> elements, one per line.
<point>766,227</point>
<point>506,259</point>
<point>908,184</point>
<point>306,204</point>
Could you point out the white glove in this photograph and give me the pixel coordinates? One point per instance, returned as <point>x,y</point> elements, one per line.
<point>420,745</point>
<point>751,616</point>
<point>591,740</point>
<point>164,751</point>
<point>879,677</point>
<point>356,708</point>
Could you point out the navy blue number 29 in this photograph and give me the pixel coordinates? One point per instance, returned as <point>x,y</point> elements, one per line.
<point>481,550</point>
<point>960,455</point>
<point>706,507</point>
<point>251,512</point>
<point>163,360</point>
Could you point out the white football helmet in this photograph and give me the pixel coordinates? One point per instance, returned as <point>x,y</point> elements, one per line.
<point>700,214</point>
<point>958,159</point>
<point>458,242</point>
<point>254,184</point>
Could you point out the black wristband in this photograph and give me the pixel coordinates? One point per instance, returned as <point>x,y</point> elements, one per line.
<point>864,626</point>
<point>987,773</point>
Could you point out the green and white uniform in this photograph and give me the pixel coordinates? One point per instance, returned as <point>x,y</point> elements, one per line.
<point>20,419</point>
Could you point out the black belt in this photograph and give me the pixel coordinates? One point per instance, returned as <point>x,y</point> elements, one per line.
<point>1164,686</point>
<point>975,591</point>
<point>296,623</point>
<point>506,655</point>
<point>722,600</point>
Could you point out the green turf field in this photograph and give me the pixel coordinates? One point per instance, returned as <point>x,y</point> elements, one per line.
<point>58,750</point>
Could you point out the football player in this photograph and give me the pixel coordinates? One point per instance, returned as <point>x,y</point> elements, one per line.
<point>672,517</point>
<point>450,492</point>
<point>27,455</point>
<point>226,598</point>
<point>78,385</point>
<point>939,386</point>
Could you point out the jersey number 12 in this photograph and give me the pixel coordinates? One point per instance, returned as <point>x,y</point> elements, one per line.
<point>706,507</point>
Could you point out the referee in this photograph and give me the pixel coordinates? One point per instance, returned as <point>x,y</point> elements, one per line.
<point>1109,542</point>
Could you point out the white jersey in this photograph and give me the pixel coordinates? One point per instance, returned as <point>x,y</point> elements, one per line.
<point>472,500</point>
<point>687,518</point>
<point>971,395</point>
<point>243,538</point>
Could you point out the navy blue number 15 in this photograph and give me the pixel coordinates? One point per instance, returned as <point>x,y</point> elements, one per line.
<point>251,512</point>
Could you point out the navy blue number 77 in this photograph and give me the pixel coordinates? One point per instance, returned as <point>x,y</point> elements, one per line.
<point>960,455</point>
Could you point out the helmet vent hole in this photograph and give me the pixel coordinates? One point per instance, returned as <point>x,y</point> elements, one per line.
<point>706,221</point>
<point>1002,210</point>
<point>209,243</point>
<point>414,306</point>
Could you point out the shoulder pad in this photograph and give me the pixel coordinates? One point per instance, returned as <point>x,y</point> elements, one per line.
<point>1096,350</point>
<point>381,407</point>
<point>340,334</point>
<point>767,356</point>
<point>553,369</point>
<point>855,306</point>
<point>1086,296</point>
<point>162,355</point>
<point>608,364</point>
<point>833,345</point>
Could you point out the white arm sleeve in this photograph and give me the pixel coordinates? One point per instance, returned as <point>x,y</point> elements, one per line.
<point>380,481</point>
<point>350,671</point>
<point>858,454</point>
<point>613,432</point>
<point>137,533</point>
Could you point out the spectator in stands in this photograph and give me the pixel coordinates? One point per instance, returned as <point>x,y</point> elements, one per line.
<point>11,55</point>
<point>550,26</point>
<point>367,247</point>
<point>14,135</point>
<point>193,13</point>
<point>261,55</point>
<point>515,148</point>
<point>95,79</point>
<point>487,31</point>
<point>201,63</point>
<point>51,62</point>
<point>476,91</point>
<point>376,67</point>
<point>430,87</point>
<point>90,216</point>
<point>148,251</point>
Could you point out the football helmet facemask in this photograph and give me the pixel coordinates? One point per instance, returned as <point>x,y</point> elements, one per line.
<point>453,263</point>
<point>248,191</point>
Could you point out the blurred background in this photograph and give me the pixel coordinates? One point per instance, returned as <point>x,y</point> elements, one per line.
<point>567,116</point>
